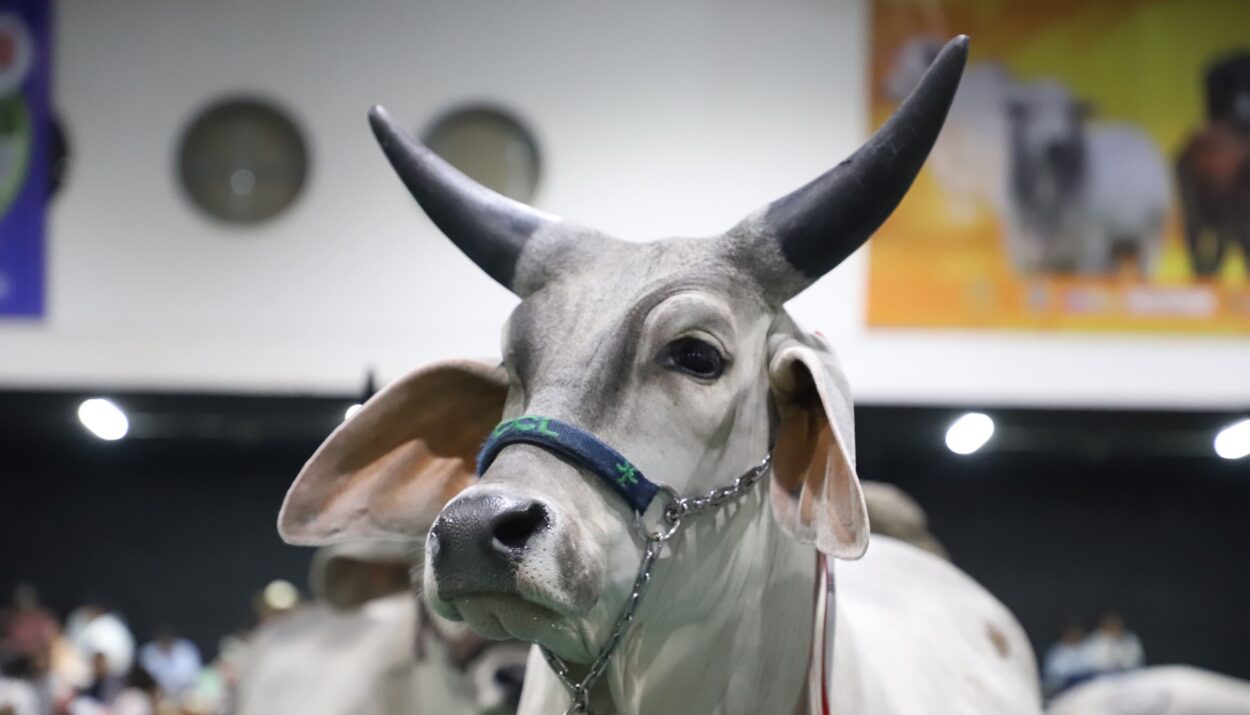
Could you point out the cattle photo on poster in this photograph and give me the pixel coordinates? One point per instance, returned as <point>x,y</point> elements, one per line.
<point>1213,171</point>
<point>1071,194</point>
<point>702,591</point>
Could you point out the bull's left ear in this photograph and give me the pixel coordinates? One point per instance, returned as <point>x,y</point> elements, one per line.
<point>815,492</point>
<point>388,471</point>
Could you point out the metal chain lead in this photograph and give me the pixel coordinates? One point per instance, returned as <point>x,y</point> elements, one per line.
<point>655,540</point>
<point>681,508</point>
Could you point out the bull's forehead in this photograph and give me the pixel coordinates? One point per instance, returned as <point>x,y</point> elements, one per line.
<point>575,339</point>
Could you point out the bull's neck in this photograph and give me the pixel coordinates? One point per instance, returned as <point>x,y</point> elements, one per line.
<point>727,624</point>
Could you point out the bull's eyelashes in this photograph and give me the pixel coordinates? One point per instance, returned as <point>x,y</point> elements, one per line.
<point>694,357</point>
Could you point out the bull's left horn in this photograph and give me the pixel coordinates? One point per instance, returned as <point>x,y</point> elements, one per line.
<point>489,228</point>
<point>819,225</point>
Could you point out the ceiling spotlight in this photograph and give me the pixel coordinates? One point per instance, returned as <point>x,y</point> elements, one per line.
<point>1233,442</point>
<point>351,411</point>
<point>969,433</point>
<point>103,419</point>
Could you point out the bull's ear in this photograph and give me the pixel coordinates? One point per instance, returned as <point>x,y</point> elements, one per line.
<point>388,471</point>
<point>815,492</point>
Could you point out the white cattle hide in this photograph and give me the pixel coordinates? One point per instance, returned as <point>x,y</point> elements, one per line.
<point>319,660</point>
<point>1161,690</point>
<point>897,607</point>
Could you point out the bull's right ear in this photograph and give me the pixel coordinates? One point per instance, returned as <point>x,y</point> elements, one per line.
<point>390,469</point>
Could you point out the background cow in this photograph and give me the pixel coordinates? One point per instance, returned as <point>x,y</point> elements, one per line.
<point>894,513</point>
<point>1161,690</point>
<point>364,647</point>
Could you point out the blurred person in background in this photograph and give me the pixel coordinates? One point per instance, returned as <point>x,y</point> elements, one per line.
<point>28,627</point>
<point>104,685</point>
<point>61,671</point>
<point>1067,662</point>
<point>18,695</point>
<point>214,691</point>
<point>140,696</point>
<point>1113,648</point>
<point>172,661</point>
<point>93,629</point>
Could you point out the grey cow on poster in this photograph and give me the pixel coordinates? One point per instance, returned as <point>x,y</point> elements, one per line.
<point>678,353</point>
<point>1082,194</point>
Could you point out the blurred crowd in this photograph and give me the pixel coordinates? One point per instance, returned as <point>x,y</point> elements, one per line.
<point>1080,655</point>
<point>90,664</point>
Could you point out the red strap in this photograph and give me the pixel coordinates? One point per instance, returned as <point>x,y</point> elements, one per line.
<point>818,673</point>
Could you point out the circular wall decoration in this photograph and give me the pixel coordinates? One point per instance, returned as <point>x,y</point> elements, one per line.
<point>243,161</point>
<point>16,142</point>
<point>17,51</point>
<point>491,146</point>
<point>58,155</point>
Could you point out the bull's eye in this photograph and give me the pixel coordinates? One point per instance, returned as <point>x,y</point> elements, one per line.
<point>693,356</point>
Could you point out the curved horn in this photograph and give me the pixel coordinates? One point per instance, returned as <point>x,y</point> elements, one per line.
<point>489,228</point>
<point>819,225</point>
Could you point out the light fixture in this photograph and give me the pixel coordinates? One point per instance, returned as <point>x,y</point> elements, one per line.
<point>1233,442</point>
<point>103,419</point>
<point>351,411</point>
<point>280,595</point>
<point>969,433</point>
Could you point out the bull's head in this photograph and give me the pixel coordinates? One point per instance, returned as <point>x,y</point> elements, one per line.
<point>678,353</point>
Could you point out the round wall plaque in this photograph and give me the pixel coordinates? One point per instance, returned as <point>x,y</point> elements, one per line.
<point>491,146</point>
<point>242,161</point>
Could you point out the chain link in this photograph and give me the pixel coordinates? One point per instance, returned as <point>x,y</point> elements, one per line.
<point>681,508</point>
<point>677,510</point>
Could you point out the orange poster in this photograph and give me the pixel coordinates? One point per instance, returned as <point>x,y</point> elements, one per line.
<point>1093,174</point>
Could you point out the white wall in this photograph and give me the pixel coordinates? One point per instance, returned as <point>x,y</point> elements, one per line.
<point>655,118</point>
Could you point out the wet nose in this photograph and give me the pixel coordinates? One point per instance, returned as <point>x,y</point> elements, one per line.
<point>478,538</point>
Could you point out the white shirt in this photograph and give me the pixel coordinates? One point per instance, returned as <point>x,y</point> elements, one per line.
<point>1065,661</point>
<point>1110,654</point>
<point>108,635</point>
<point>174,670</point>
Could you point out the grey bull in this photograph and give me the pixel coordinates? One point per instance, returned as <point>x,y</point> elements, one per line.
<point>680,354</point>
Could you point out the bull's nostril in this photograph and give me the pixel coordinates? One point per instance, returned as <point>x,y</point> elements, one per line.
<point>514,529</point>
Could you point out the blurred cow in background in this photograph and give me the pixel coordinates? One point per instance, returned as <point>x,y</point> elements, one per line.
<point>366,648</point>
<point>1082,195</point>
<point>892,512</point>
<point>1213,170</point>
<point>1161,690</point>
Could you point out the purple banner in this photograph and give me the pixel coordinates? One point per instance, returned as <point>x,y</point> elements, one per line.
<point>25,51</point>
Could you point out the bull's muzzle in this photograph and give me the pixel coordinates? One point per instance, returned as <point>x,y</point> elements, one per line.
<point>479,539</point>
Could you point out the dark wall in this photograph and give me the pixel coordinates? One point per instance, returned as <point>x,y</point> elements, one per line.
<point>1071,514</point>
<point>175,529</point>
<point>1066,514</point>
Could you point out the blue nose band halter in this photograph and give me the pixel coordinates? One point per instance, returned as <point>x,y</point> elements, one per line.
<point>595,456</point>
<point>578,446</point>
